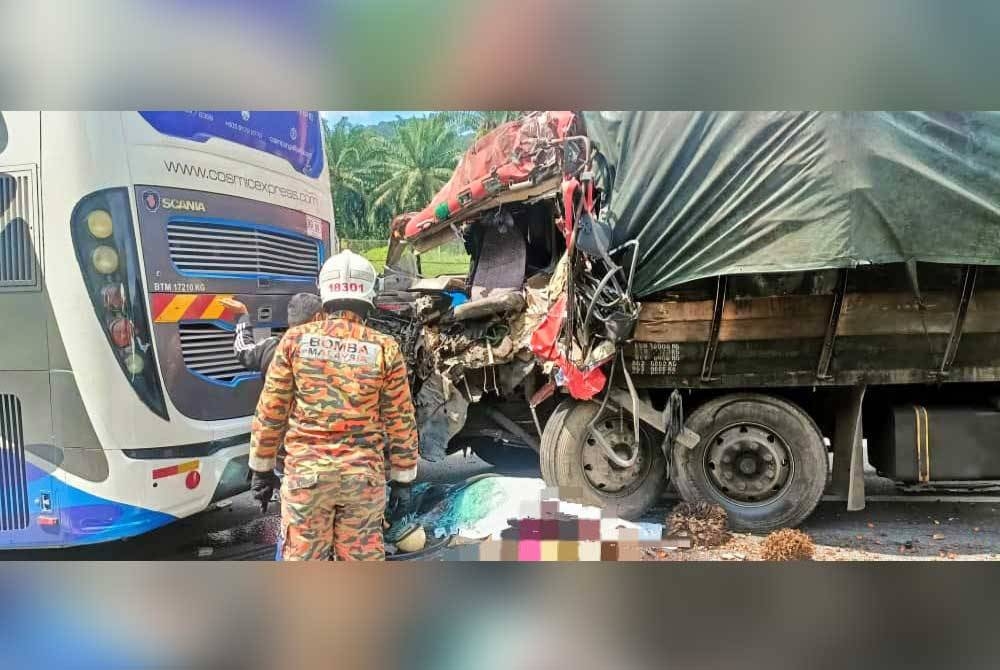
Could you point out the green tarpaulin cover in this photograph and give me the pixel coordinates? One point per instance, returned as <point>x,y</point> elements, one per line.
<point>710,193</point>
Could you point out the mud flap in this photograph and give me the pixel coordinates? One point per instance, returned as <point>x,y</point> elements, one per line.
<point>848,457</point>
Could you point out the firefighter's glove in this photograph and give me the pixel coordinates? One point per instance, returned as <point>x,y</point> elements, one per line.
<point>263,485</point>
<point>233,304</point>
<point>400,498</point>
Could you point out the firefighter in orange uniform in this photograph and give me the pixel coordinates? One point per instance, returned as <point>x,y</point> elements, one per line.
<point>336,392</point>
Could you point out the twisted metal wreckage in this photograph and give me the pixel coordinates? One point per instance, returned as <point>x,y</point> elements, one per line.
<point>547,300</point>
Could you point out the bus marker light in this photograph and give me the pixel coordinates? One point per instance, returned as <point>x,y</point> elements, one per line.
<point>105,259</point>
<point>170,470</point>
<point>99,224</point>
<point>48,520</point>
<point>121,332</point>
<point>193,479</point>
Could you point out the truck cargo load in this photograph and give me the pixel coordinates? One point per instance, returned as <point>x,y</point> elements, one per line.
<point>721,193</point>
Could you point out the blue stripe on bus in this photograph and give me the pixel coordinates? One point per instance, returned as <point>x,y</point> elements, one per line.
<point>233,383</point>
<point>84,518</point>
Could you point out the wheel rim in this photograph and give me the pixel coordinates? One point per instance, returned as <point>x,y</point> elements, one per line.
<point>748,464</point>
<point>604,476</point>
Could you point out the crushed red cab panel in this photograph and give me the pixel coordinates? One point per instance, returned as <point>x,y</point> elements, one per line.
<point>581,384</point>
<point>507,155</point>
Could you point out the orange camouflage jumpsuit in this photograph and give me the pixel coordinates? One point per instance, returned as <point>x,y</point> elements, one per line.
<point>337,393</point>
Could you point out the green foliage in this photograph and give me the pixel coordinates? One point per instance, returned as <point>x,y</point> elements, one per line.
<point>481,122</point>
<point>416,163</point>
<point>379,172</point>
<point>449,259</point>
<point>353,154</point>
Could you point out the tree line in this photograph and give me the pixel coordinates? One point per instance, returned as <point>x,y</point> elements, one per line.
<point>378,172</point>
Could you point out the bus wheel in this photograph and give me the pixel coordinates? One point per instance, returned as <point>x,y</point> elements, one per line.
<point>573,459</point>
<point>760,457</point>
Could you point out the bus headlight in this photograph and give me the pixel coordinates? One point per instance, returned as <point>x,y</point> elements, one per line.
<point>104,238</point>
<point>105,260</point>
<point>99,224</point>
<point>134,364</point>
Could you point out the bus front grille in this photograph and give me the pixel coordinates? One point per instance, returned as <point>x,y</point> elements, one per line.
<point>13,475</point>
<point>219,250</point>
<point>208,351</point>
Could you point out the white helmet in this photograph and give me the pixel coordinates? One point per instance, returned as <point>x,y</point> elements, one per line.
<point>347,276</point>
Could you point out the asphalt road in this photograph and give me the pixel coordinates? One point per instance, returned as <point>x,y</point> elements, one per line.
<point>885,530</point>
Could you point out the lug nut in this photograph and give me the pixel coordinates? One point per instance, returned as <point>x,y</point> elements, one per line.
<point>727,474</point>
<point>768,457</point>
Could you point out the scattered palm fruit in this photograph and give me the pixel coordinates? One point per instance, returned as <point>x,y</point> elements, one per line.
<point>787,544</point>
<point>704,523</point>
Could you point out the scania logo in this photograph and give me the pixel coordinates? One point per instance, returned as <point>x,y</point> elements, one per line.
<point>187,205</point>
<point>151,199</point>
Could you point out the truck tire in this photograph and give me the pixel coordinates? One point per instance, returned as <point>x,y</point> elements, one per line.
<point>572,460</point>
<point>760,457</point>
<point>550,435</point>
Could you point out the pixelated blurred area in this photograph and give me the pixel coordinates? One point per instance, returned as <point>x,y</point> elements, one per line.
<point>521,54</point>
<point>438,617</point>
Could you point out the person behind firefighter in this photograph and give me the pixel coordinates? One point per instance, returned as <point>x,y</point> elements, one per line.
<point>336,393</point>
<point>257,355</point>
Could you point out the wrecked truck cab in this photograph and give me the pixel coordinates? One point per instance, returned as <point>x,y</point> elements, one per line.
<point>492,353</point>
<point>468,336</point>
<point>495,354</point>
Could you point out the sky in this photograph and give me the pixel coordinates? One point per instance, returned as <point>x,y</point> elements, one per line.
<point>370,118</point>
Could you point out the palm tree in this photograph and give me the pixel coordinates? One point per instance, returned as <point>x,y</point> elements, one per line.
<point>352,154</point>
<point>483,121</point>
<point>417,162</point>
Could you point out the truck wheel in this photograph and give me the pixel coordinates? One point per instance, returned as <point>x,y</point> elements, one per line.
<point>760,457</point>
<point>550,435</point>
<point>573,460</point>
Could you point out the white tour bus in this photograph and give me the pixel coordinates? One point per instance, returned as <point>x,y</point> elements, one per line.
<point>122,407</point>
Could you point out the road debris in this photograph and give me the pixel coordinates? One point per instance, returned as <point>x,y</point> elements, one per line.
<point>787,544</point>
<point>706,524</point>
